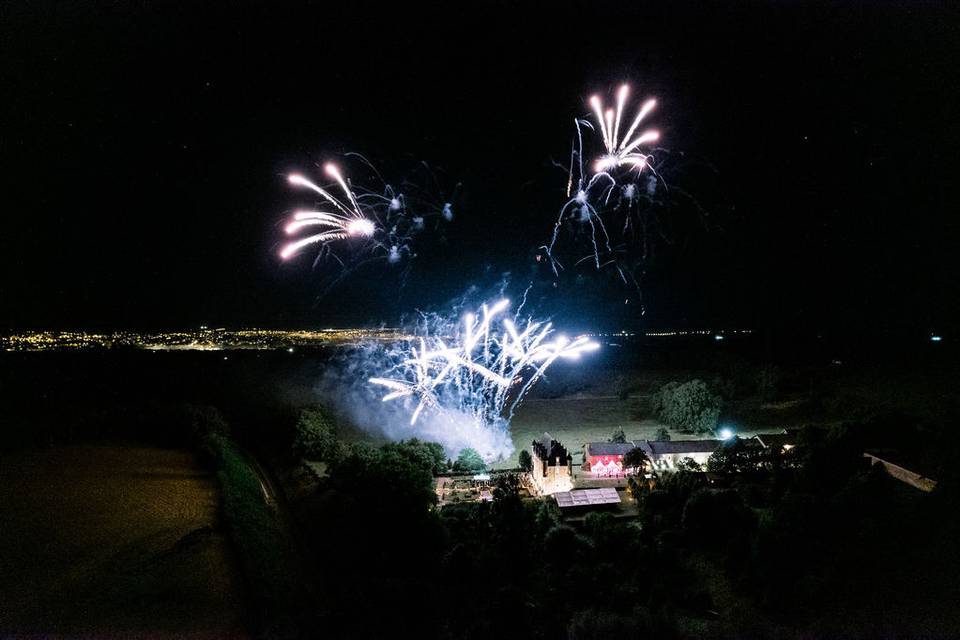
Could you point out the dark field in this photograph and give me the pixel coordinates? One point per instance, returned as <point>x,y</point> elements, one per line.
<point>111,539</point>
<point>127,395</point>
<point>112,523</point>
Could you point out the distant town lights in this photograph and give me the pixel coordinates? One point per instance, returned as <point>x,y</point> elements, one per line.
<point>206,339</point>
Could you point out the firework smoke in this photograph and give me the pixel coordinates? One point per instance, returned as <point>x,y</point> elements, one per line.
<point>457,380</point>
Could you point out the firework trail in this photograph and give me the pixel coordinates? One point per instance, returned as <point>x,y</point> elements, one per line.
<point>344,220</point>
<point>623,151</point>
<point>472,374</point>
<point>599,199</point>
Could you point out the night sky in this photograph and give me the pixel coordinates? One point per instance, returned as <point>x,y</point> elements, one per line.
<point>144,148</point>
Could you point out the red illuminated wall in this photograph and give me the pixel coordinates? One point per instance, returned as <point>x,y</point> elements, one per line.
<point>604,459</point>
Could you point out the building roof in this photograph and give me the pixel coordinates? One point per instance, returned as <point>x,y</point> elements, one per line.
<point>587,497</point>
<point>545,440</point>
<point>652,447</point>
<point>546,448</point>
<point>608,448</point>
<point>776,440</point>
<point>668,447</point>
<point>902,468</point>
<point>902,459</point>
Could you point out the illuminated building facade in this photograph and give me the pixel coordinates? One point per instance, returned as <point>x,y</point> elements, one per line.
<point>665,455</point>
<point>552,466</point>
<point>605,459</point>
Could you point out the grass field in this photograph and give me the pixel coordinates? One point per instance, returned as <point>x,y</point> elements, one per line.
<point>119,541</point>
<point>574,421</point>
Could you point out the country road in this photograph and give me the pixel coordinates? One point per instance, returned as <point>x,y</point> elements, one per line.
<point>277,502</point>
<point>266,484</point>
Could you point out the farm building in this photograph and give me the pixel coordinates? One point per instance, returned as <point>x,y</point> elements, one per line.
<point>895,465</point>
<point>587,498</point>
<point>665,454</point>
<point>605,459</point>
<point>783,441</point>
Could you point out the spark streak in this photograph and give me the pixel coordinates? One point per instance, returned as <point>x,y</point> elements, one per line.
<point>483,368</point>
<point>622,151</point>
<point>348,219</point>
<point>592,201</point>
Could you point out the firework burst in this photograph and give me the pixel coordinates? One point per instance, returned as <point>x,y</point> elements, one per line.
<point>602,202</point>
<point>623,151</point>
<point>352,226</point>
<point>476,371</point>
<point>343,220</point>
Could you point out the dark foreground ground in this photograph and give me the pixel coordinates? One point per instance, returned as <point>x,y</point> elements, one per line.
<point>114,540</point>
<point>115,520</point>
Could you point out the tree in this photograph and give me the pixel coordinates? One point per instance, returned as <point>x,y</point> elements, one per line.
<point>507,505</point>
<point>662,434</point>
<point>734,456</point>
<point>618,436</point>
<point>563,547</point>
<point>316,435</point>
<point>506,488</point>
<point>715,517</point>
<point>689,406</point>
<point>469,461</point>
<point>369,488</point>
<point>768,382</point>
<point>526,462</point>
<point>622,387</point>
<point>689,464</point>
<point>638,488</point>
<point>600,624</point>
<point>205,420</point>
<point>428,455</point>
<point>635,459</point>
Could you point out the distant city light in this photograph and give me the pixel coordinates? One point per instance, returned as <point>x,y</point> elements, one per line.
<point>206,339</point>
<point>726,433</point>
